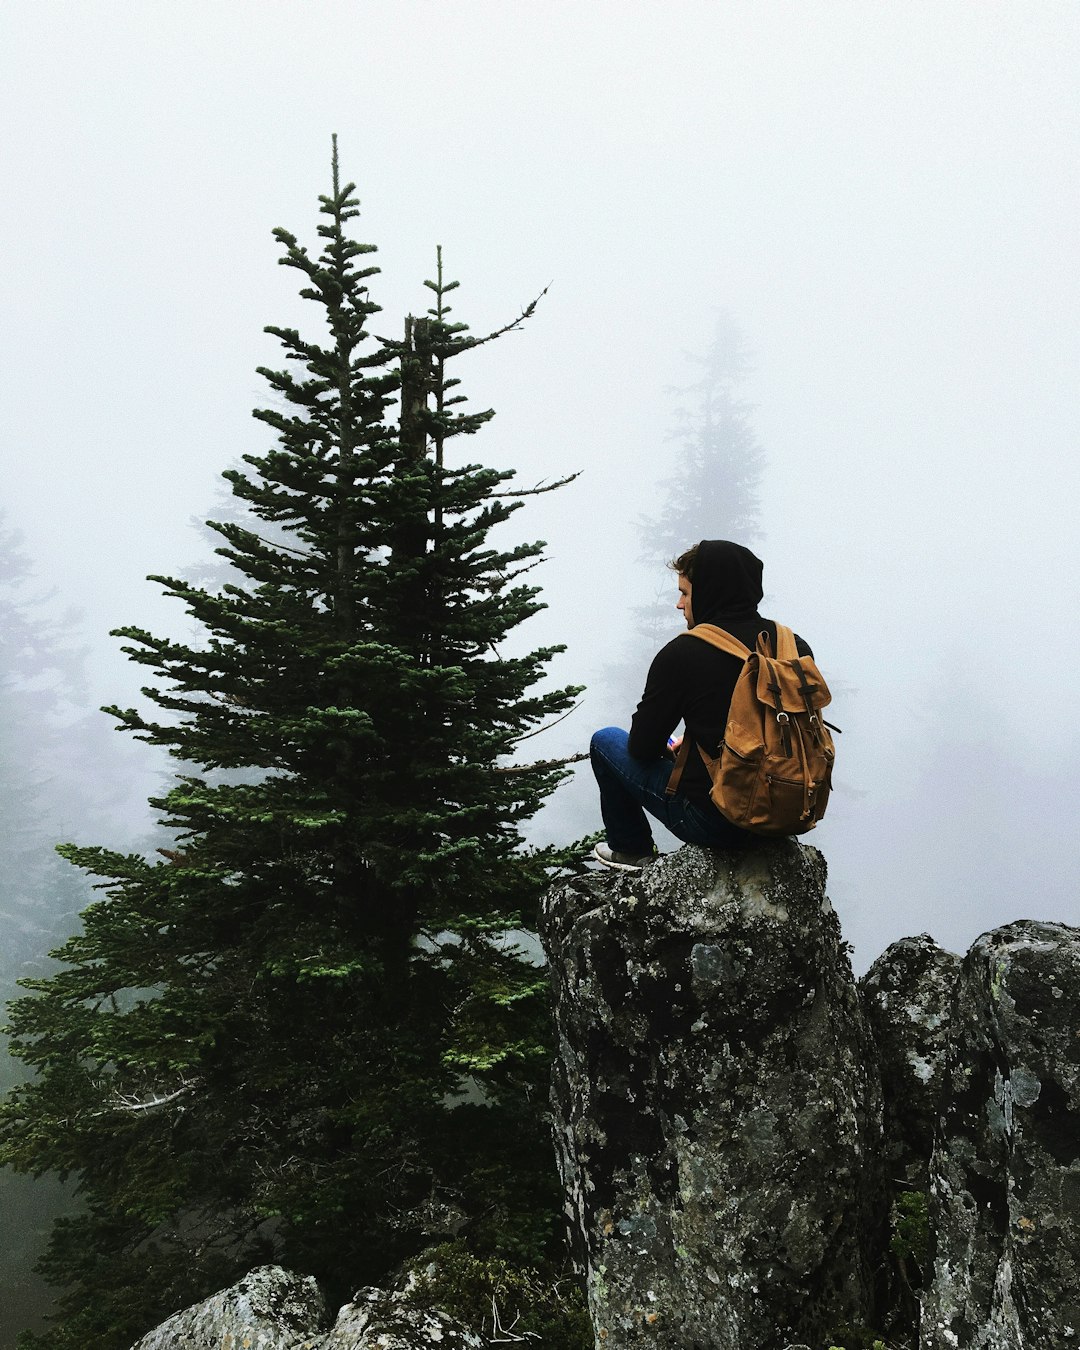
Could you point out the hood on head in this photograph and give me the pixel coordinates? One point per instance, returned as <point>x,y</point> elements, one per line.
<point>726,582</point>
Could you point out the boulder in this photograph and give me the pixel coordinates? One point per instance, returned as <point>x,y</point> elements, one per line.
<point>378,1320</point>
<point>273,1309</point>
<point>907,995</point>
<point>269,1309</point>
<point>716,1103</point>
<point>1005,1172</point>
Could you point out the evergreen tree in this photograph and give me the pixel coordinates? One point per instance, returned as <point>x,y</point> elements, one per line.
<point>306,1033</point>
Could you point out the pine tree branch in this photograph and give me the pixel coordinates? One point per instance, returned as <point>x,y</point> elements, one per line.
<point>464,344</point>
<point>505,578</point>
<point>539,764</point>
<point>539,488</point>
<point>526,313</point>
<point>307,555</point>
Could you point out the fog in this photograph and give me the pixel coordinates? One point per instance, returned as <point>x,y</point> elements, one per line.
<point>884,200</point>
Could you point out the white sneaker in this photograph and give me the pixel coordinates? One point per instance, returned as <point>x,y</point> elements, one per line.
<point>623,862</point>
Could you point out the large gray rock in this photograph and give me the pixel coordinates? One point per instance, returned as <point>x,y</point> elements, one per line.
<point>269,1309</point>
<point>1005,1174</point>
<point>273,1309</point>
<point>717,1113</point>
<point>908,994</point>
<point>377,1320</point>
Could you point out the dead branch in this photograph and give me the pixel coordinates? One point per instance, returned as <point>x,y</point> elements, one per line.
<point>503,1335</point>
<point>542,486</point>
<point>548,725</point>
<point>120,1103</point>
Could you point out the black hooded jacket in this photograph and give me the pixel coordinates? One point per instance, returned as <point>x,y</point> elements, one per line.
<point>692,682</point>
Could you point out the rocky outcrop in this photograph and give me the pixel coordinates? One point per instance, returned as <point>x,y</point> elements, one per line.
<point>716,1102</point>
<point>726,1158</point>
<point>269,1309</point>
<point>908,994</point>
<point>1005,1173</point>
<point>273,1309</point>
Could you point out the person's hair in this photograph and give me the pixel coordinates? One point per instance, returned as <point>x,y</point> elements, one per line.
<point>684,563</point>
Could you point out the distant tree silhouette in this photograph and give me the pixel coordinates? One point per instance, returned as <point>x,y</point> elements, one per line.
<point>709,491</point>
<point>52,781</point>
<point>42,728</point>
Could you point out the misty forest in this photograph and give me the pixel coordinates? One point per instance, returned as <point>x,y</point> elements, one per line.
<point>317,1004</point>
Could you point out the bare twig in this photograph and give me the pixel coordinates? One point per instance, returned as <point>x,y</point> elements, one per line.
<point>542,486</point>
<point>121,1103</point>
<point>501,1334</point>
<point>547,725</point>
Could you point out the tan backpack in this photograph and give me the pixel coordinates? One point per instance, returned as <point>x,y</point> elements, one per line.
<point>774,770</point>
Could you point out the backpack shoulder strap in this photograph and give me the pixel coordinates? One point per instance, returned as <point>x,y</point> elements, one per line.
<point>717,637</point>
<point>786,648</point>
<point>680,764</point>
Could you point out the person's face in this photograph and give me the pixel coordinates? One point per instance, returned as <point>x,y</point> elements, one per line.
<point>683,602</point>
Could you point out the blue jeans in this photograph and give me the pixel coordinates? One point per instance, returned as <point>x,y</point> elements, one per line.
<point>629,787</point>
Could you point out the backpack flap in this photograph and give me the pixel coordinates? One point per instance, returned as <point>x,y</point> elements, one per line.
<point>798,683</point>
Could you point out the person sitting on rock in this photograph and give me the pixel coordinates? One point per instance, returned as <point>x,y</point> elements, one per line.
<point>691,683</point>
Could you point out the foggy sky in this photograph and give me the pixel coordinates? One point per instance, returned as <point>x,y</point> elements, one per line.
<point>884,197</point>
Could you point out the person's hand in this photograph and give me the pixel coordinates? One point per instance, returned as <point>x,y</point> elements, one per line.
<point>674,742</point>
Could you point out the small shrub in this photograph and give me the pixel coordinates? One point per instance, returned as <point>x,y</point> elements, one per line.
<point>910,1241</point>
<point>501,1300</point>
